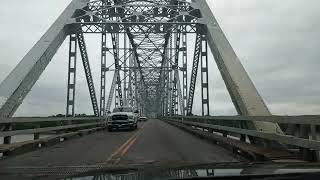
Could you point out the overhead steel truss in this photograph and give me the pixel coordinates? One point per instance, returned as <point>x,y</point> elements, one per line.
<point>146,65</point>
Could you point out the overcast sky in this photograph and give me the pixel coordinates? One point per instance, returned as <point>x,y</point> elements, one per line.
<point>276,40</point>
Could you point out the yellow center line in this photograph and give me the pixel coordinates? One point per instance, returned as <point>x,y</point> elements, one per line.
<point>123,149</point>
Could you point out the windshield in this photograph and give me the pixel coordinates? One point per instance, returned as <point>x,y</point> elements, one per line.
<point>139,84</point>
<point>122,109</point>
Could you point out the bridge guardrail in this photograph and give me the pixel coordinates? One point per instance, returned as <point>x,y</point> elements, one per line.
<point>291,123</point>
<point>231,125</point>
<point>35,125</point>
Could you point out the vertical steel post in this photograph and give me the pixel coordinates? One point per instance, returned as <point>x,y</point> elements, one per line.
<point>130,85</point>
<point>204,77</point>
<point>115,47</point>
<point>7,139</point>
<point>175,68</point>
<point>103,74</point>
<point>103,64</point>
<point>125,88</point>
<point>194,72</point>
<point>71,75</point>
<point>111,92</point>
<point>36,135</point>
<point>184,70</point>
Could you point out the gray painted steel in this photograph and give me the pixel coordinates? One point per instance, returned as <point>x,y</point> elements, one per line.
<point>20,81</point>
<point>47,129</point>
<point>242,90</point>
<point>283,139</point>
<point>194,72</point>
<point>173,17</point>
<point>87,70</point>
<point>307,120</point>
<point>47,119</point>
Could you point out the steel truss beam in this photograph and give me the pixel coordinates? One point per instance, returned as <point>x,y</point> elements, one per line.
<point>161,89</point>
<point>115,45</point>
<point>103,68</point>
<point>179,91</point>
<point>111,92</point>
<point>131,85</point>
<point>204,77</point>
<point>174,102</point>
<point>136,17</point>
<point>103,74</point>
<point>194,73</point>
<point>169,81</point>
<point>140,21</point>
<point>184,70</point>
<point>19,82</point>
<point>87,70</point>
<point>244,95</point>
<point>125,88</point>
<point>71,88</point>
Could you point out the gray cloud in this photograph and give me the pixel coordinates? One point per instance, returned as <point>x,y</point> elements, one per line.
<point>277,42</point>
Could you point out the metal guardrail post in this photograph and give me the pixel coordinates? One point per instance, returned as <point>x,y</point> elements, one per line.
<point>7,139</point>
<point>36,135</point>
<point>313,130</point>
<point>303,133</point>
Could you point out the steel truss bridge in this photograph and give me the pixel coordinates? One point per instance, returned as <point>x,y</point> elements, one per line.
<point>150,44</point>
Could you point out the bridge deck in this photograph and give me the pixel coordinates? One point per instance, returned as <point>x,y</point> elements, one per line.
<point>155,142</point>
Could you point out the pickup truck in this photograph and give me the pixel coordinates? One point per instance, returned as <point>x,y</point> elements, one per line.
<point>123,118</point>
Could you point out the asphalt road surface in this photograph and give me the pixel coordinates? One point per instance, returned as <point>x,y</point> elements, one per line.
<point>155,142</point>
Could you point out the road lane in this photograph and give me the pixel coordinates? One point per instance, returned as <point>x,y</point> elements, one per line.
<point>160,143</point>
<point>90,149</point>
<point>155,142</point>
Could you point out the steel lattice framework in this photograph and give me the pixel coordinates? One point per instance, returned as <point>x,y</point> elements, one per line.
<point>150,48</point>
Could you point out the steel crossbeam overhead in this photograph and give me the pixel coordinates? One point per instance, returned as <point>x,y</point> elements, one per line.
<point>87,70</point>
